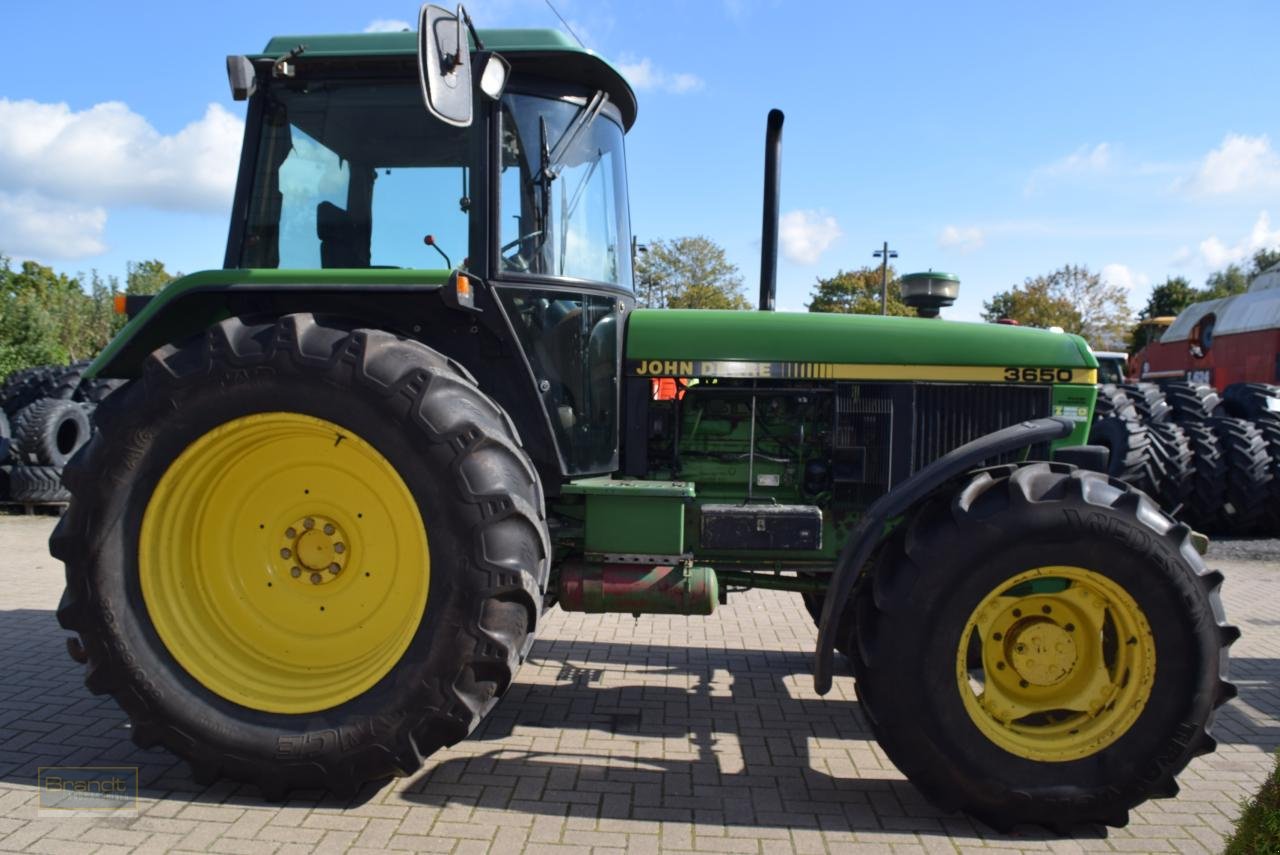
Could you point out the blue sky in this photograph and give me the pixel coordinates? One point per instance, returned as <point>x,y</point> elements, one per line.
<point>993,140</point>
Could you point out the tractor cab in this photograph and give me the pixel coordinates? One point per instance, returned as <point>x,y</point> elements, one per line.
<point>344,170</point>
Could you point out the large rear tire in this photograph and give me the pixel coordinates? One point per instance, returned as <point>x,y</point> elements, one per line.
<point>1098,635</point>
<point>299,555</point>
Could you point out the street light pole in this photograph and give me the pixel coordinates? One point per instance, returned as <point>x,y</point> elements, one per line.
<point>884,255</point>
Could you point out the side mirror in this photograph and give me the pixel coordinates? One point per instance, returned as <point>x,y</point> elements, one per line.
<point>444,65</point>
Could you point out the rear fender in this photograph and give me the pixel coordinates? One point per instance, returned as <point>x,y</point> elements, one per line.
<point>410,303</point>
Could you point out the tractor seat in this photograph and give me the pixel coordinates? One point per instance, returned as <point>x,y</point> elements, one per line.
<point>340,240</point>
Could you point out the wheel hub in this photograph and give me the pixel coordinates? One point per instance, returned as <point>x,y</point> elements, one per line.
<point>315,550</point>
<point>1041,652</point>
<point>1065,663</point>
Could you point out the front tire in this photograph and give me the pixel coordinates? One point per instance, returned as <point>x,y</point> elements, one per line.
<point>1097,635</point>
<point>398,616</point>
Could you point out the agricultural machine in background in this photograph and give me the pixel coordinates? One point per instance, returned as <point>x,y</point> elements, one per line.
<point>318,529</point>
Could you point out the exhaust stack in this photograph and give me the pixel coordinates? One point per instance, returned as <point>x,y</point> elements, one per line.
<point>769,228</point>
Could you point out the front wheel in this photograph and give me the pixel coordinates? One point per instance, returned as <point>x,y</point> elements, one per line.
<point>298,554</point>
<point>1044,646</point>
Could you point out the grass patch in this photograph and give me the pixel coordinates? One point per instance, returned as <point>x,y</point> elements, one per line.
<point>1258,828</point>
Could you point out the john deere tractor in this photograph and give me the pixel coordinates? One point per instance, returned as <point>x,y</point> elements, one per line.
<point>316,533</point>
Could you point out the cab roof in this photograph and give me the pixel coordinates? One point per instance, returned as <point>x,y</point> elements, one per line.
<point>545,53</point>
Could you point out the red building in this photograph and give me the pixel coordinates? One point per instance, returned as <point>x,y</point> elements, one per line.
<point>1219,342</point>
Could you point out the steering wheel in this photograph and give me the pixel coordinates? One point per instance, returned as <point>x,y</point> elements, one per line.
<point>517,261</point>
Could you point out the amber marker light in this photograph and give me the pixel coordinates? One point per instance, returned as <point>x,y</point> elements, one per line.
<point>466,296</point>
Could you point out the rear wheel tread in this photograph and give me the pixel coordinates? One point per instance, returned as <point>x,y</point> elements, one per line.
<point>508,562</point>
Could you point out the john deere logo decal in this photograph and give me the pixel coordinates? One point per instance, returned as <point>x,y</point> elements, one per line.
<point>732,368</point>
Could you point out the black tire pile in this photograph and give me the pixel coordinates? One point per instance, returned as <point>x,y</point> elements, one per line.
<point>46,414</point>
<point>1211,460</point>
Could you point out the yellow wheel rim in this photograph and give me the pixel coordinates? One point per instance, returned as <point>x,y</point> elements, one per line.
<point>1056,663</point>
<point>284,563</point>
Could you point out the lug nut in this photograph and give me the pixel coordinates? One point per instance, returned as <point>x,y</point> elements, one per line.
<point>315,578</point>
<point>285,553</point>
<point>1017,612</point>
<point>1023,683</point>
<point>339,548</point>
<point>997,636</point>
<point>290,533</point>
<point>999,666</point>
<point>295,572</point>
<point>328,528</point>
<point>334,568</point>
<point>1047,609</point>
<point>1071,627</point>
<point>308,523</point>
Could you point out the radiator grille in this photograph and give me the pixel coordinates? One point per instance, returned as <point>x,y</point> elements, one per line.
<point>947,416</point>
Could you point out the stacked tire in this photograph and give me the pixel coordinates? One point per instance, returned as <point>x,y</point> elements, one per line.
<point>1210,459</point>
<point>45,417</point>
<point>1257,406</point>
<point>1119,426</point>
<point>1195,410</point>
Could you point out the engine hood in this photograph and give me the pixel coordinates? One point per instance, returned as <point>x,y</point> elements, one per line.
<point>709,343</point>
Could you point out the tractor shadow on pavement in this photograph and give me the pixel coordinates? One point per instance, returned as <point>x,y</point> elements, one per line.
<point>723,737</point>
<point>601,730</point>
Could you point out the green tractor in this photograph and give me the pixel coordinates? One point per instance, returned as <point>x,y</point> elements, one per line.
<point>315,534</point>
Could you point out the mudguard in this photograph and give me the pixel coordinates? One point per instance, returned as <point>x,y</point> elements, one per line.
<point>870,529</point>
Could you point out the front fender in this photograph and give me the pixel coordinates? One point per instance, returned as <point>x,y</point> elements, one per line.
<point>865,536</point>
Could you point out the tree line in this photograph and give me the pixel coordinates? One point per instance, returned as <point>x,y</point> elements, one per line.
<point>694,273</point>
<point>1079,301</point>
<point>49,318</point>
<point>52,318</point>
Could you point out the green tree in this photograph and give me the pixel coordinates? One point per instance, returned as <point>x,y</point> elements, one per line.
<point>1032,304</point>
<point>28,332</point>
<point>688,273</point>
<point>65,301</point>
<point>49,318</point>
<point>1264,259</point>
<point>1170,297</point>
<point>1224,283</point>
<point>147,277</point>
<point>857,292</point>
<point>1072,297</point>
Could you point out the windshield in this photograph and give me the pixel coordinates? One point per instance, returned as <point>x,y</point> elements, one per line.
<point>564,190</point>
<point>1110,369</point>
<point>356,174</point>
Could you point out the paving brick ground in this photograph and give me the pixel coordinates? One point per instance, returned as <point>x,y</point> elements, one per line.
<point>662,734</point>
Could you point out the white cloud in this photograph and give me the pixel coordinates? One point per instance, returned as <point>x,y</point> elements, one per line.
<point>643,75</point>
<point>964,238</point>
<point>806,235</point>
<point>1120,274</point>
<point>1083,161</point>
<point>1242,164</point>
<point>387,25</point>
<point>110,155</point>
<point>1217,254</point>
<point>32,225</point>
